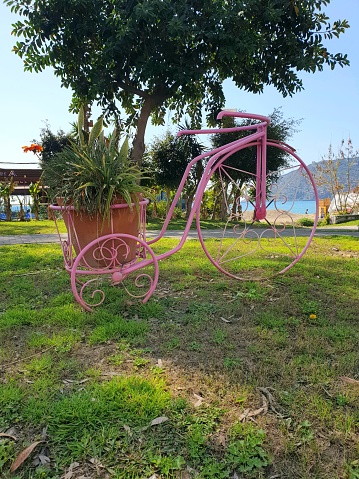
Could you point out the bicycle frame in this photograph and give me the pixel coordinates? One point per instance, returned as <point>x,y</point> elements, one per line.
<point>258,138</point>
<point>112,252</point>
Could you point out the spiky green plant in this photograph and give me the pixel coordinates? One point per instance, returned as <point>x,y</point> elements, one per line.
<point>94,172</point>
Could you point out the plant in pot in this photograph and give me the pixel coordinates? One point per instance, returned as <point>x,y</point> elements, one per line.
<point>99,188</point>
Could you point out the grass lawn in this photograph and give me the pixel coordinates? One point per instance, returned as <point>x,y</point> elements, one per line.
<point>348,223</point>
<point>48,227</point>
<point>30,227</point>
<point>211,379</point>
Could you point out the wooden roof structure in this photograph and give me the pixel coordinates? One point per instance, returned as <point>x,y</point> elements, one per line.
<point>22,178</point>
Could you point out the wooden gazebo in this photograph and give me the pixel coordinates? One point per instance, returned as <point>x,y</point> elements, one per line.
<point>21,177</point>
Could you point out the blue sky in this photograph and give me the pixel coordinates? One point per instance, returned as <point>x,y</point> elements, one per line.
<point>328,107</point>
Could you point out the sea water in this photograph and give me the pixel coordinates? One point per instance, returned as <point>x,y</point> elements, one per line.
<point>297,207</point>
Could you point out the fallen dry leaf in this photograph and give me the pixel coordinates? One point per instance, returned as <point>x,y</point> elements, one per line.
<point>2,434</point>
<point>199,401</point>
<point>183,475</point>
<point>221,440</point>
<point>159,420</point>
<point>112,374</point>
<point>69,474</point>
<point>96,462</point>
<point>23,456</point>
<point>256,412</point>
<point>247,413</point>
<point>244,414</point>
<point>225,320</point>
<point>42,460</point>
<point>12,430</point>
<point>264,404</point>
<point>270,401</point>
<point>71,381</point>
<point>349,380</point>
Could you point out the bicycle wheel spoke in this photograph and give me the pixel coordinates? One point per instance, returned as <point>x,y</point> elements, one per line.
<point>252,249</point>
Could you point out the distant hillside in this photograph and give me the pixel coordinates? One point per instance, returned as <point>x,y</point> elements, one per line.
<point>303,193</point>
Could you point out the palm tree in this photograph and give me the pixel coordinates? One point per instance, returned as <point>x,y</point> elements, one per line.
<point>6,190</point>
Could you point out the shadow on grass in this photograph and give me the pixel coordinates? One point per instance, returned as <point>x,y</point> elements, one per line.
<point>211,378</point>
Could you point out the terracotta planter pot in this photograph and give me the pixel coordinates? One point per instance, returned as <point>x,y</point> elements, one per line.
<point>83,229</point>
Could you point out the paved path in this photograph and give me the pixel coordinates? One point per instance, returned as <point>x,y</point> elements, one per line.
<point>53,238</point>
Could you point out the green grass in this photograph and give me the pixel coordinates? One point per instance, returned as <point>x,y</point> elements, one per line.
<point>203,354</point>
<point>348,223</point>
<point>48,227</point>
<point>30,227</point>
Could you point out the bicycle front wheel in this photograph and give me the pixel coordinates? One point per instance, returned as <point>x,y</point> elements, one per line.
<point>247,249</point>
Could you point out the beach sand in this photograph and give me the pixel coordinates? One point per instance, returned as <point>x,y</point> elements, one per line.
<point>283,218</point>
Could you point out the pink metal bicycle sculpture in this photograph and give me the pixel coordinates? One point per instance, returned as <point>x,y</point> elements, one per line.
<point>252,245</point>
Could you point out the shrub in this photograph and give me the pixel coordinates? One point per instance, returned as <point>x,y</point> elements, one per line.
<point>305,222</point>
<point>325,221</point>
<point>161,210</point>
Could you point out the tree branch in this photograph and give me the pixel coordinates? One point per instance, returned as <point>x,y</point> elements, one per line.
<point>131,89</point>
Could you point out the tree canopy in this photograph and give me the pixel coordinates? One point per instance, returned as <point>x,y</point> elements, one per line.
<point>168,159</point>
<point>243,164</point>
<point>153,55</point>
<point>280,129</point>
<point>52,143</point>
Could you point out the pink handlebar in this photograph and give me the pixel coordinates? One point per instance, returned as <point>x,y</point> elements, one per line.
<point>234,114</point>
<point>240,114</point>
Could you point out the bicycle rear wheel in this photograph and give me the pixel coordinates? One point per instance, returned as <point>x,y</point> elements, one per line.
<point>248,249</point>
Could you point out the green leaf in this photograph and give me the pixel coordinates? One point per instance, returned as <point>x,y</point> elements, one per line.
<point>80,125</point>
<point>112,147</point>
<point>124,149</point>
<point>95,131</point>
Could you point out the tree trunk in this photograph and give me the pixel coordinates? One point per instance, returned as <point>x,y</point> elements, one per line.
<point>168,200</point>
<point>154,211</point>
<point>139,140</point>
<point>236,207</point>
<point>213,215</point>
<point>21,213</point>
<point>36,209</point>
<point>189,202</point>
<point>224,212</point>
<point>8,208</point>
<point>138,145</point>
